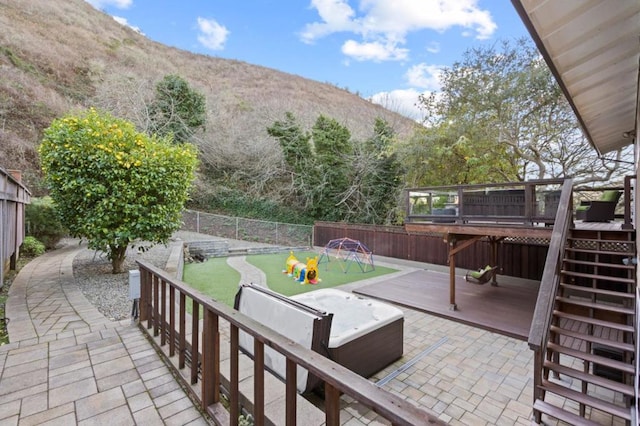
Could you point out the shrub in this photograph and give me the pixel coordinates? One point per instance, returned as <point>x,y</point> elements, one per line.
<point>31,247</point>
<point>43,222</point>
<point>113,185</point>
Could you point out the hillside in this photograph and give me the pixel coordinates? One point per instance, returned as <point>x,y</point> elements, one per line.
<point>59,55</point>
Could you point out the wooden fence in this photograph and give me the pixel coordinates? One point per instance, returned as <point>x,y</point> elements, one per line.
<point>13,197</point>
<point>517,257</point>
<point>192,341</point>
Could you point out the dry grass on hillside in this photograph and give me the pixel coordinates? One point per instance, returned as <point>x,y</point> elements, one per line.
<point>59,55</point>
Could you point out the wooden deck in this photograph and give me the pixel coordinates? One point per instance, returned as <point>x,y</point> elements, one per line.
<point>506,309</point>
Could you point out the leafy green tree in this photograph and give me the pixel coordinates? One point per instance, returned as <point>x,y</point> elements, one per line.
<point>177,109</point>
<point>299,158</point>
<point>384,179</point>
<point>113,185</point>
<point>376,178</point>
<point>334,153</point>
<point>500,106</point>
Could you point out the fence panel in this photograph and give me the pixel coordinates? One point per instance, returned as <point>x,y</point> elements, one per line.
<point>517,257</point>
<point>13,197</point>
<point>238,228</point>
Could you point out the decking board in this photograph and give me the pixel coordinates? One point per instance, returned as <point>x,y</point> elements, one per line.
<point>506,309</point>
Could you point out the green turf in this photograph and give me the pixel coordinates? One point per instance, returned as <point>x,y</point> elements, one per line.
<point>214,278</point>
<point>220,281</point>
<point>331,274</point>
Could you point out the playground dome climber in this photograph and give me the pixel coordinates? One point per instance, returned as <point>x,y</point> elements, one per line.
<point>348,251</point>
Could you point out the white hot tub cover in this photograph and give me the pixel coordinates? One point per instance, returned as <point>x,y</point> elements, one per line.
<point>353,315</point>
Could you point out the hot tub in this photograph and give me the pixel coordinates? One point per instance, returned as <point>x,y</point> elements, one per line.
<point>366,335</point>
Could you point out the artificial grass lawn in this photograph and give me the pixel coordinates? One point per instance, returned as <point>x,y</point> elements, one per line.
<point>220,281</point>
<point>331,274</point>
<point>214,278</point>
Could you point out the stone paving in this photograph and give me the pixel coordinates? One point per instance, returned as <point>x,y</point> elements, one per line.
<point>68,364</point>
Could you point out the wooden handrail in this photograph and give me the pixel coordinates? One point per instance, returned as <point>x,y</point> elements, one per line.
<point>551,274</point>
<point>155,284</point>
<point>539,331</point>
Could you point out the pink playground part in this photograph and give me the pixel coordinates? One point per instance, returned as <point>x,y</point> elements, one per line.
<point>348,251</point>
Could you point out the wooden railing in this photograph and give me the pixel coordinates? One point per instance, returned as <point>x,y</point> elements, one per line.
<point>528,203</point>
<point>539,331</point>
<point>163,314</point>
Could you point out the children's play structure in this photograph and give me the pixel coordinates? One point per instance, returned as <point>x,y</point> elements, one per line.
<point>348,251</point>
<point>306,273</point>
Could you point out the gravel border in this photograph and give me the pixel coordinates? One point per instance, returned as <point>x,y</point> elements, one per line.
<point>108,292</point>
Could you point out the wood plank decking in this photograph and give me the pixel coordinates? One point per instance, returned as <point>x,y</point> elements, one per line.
<point>506,309</point>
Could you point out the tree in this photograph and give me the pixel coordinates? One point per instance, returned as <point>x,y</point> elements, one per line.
<point>336,178</point>
<point>298,157</point>
<point>334,154</point>
<point>376,178</point>
<point>500,105</point>
<point>113,185</point>
<point>177,109</point>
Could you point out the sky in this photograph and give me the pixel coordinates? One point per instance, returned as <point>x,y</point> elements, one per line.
<point>388,51</point>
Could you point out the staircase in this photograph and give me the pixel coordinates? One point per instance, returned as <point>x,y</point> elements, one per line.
<point>586,374</point>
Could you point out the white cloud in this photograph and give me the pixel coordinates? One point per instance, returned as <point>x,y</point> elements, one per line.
<point>424,76</point>
<point>387,23</point>
<point>212,35</point>
<point>119,4</point>
<point>336,16</point>
<point>373,51</point>
<point>402,101</point>
<point>433,47</point>
<point>122,21</point>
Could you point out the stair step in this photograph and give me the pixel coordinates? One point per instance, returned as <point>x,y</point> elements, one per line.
<point>590,378</point>
<point>563,415</point>
<point>599,277</point>
<point>605,264</point>
<point>581,398</point>
<point>593,339</point>
<point>596,359</point>
<point>601,306</point>
<point>595,321</point>
<point>608,252</point>
<point>624,295</point>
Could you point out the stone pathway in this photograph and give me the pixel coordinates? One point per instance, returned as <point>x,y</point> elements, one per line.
<point>248,272</point>
<point>68,364</point>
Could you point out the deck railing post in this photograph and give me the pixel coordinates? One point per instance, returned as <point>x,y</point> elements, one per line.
<point>195,341</point>
<point>182,345</point>
<point>172,321</point>
<point>144,295</point>
<point>206,359</point>
<point>258,382</point>
<point>163,312</point>
<point>156,305</point>
<point>234,379</point>
<point>291,393</point>
<point>332,405</point>
<point>210,385</point>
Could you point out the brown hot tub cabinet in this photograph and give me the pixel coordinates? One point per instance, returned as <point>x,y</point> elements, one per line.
<point>362,334</point>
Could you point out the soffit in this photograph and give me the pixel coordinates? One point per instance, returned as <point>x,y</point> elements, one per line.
<point>593,49</point>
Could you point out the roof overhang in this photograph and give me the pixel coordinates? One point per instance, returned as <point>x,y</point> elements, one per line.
<point>593,49</point>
